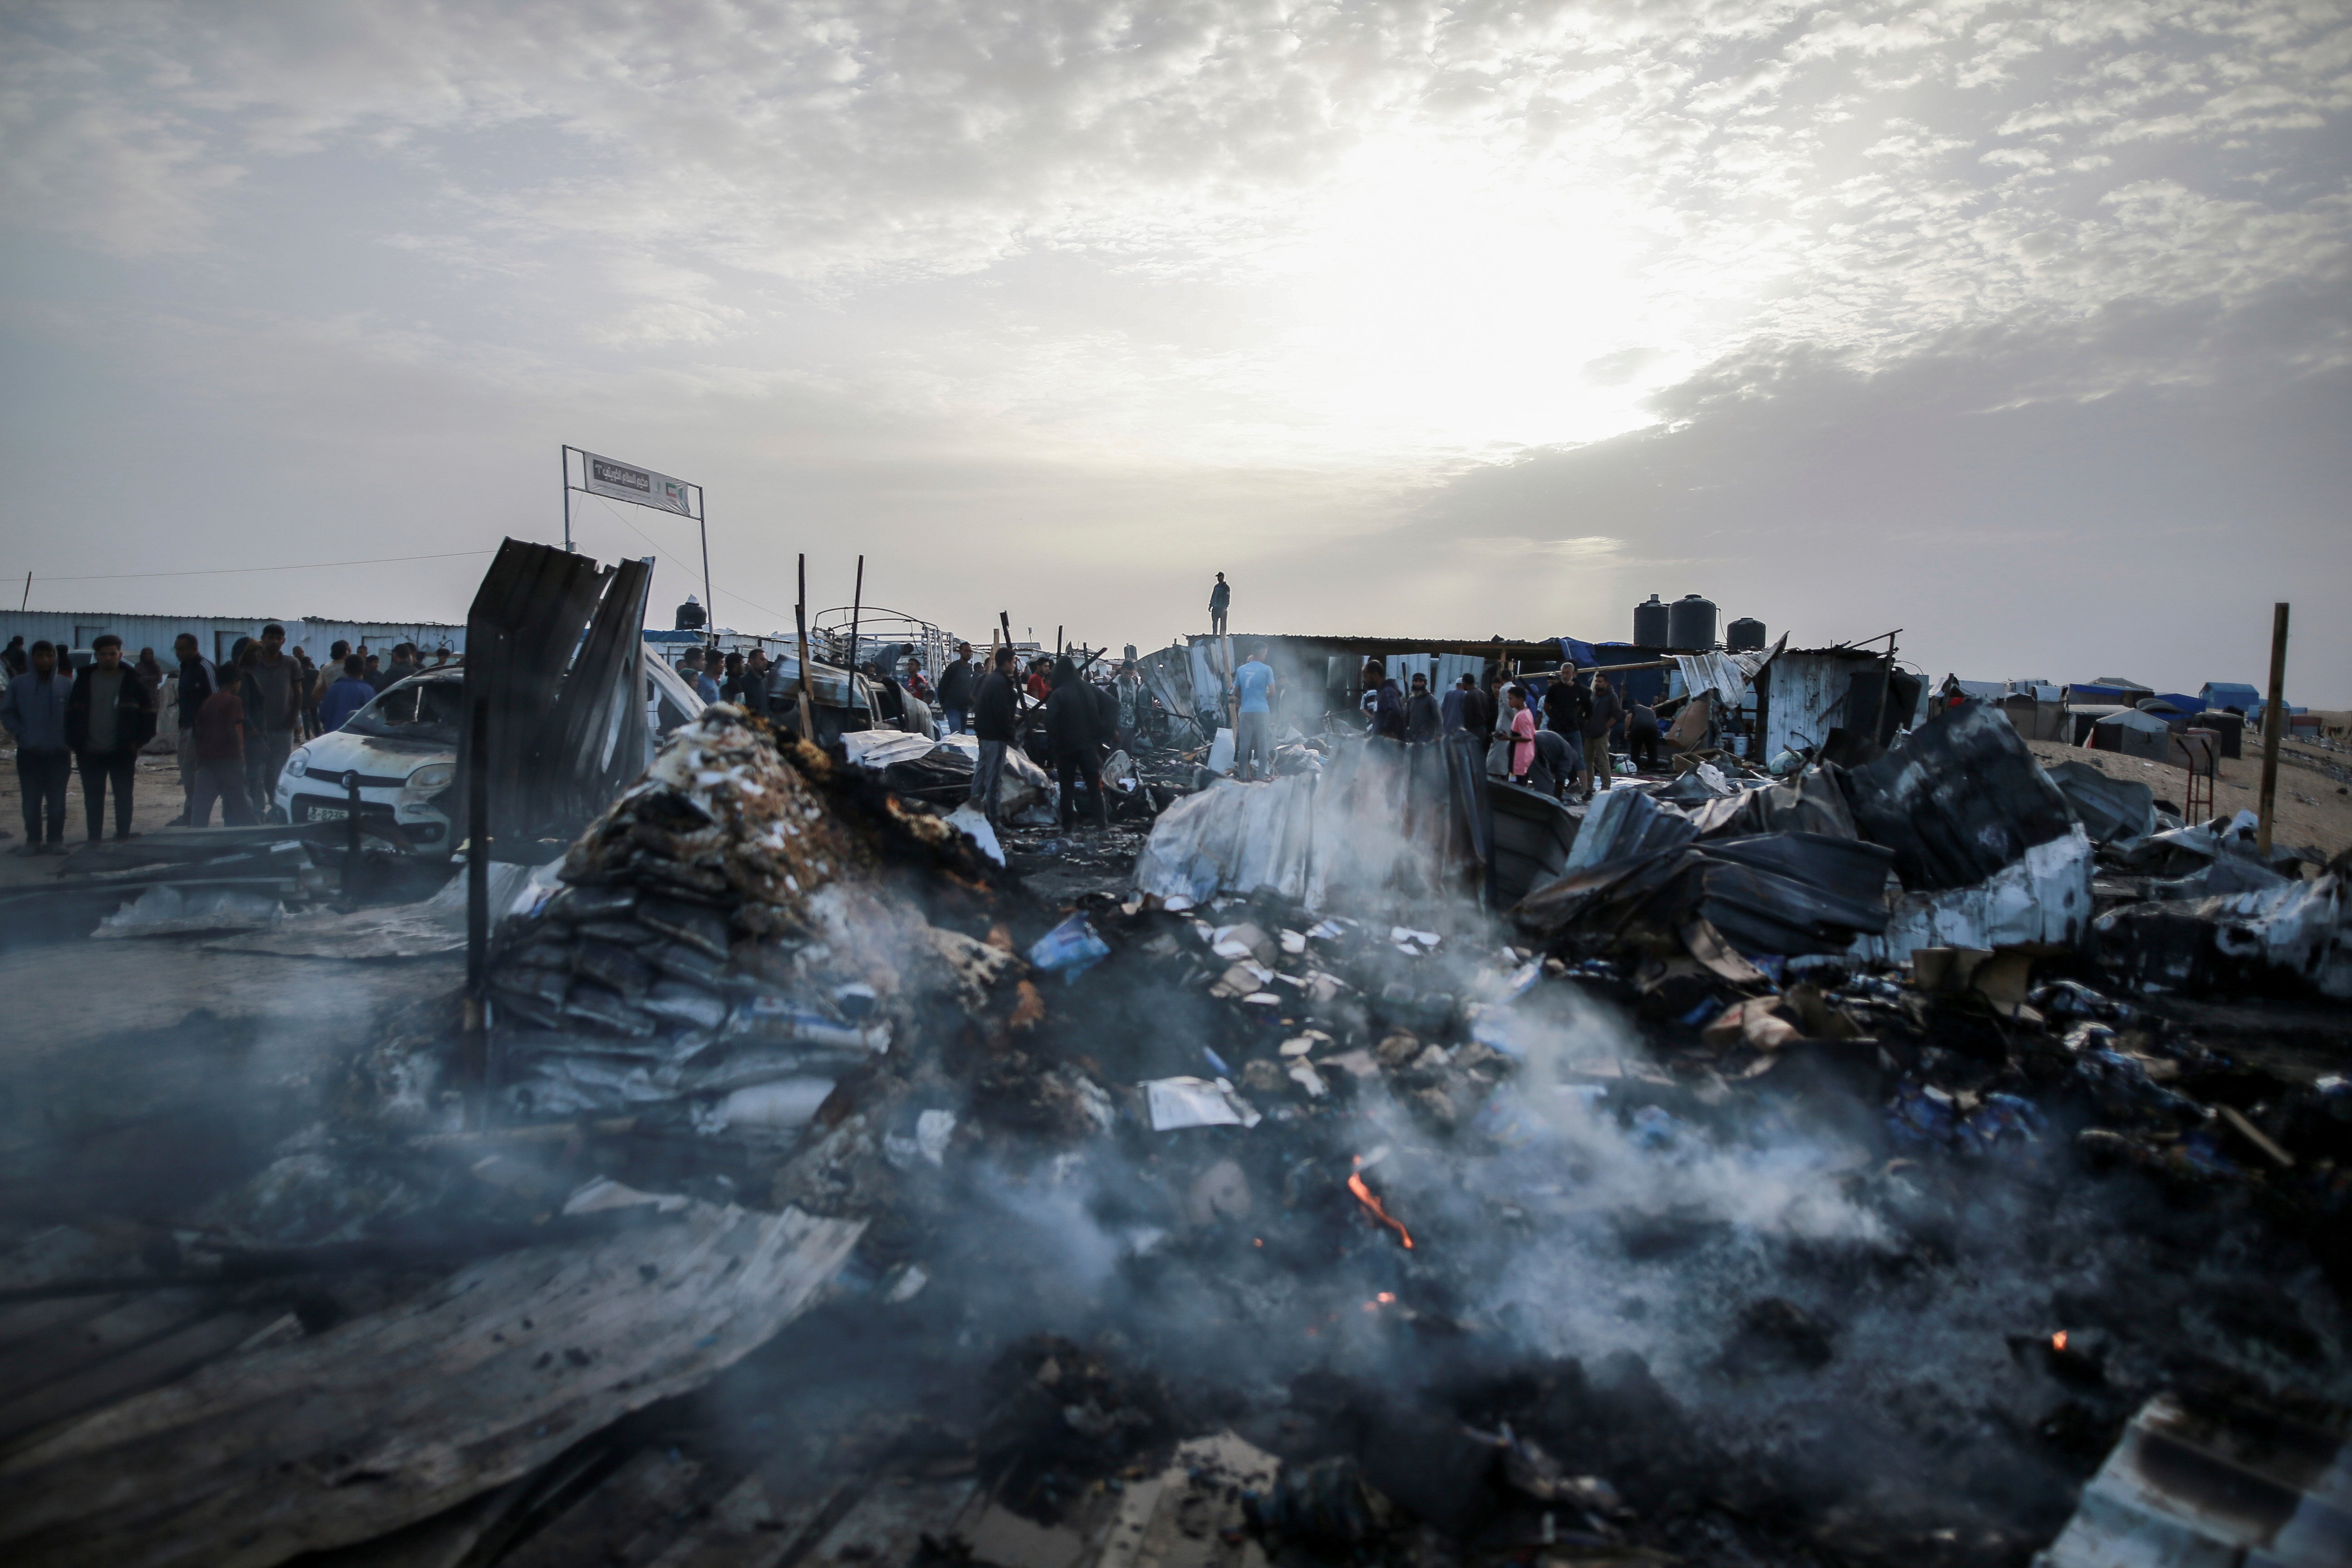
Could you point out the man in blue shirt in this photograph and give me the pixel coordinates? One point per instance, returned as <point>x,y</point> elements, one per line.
<point>1254,684</point>
<point>346,696</point>
<point>35,713</point>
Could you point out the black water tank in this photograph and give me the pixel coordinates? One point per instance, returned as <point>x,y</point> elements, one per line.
<point>1744,634</point>
<point>690,617</point>
<point>1651,623</point>
<point>1691,622</point>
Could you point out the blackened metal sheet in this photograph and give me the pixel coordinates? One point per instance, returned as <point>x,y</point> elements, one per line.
<point>1956,799</point>
<point>525,623</point>
<point>594,739</point>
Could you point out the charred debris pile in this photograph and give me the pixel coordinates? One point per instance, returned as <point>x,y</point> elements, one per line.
<point>1804,1175</point>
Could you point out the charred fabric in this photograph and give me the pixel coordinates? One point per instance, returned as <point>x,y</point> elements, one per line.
<point>1934,1162</point>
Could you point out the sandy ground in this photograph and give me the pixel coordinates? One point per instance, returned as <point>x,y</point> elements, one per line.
<point>154,802</point>
<point>2315,808</point>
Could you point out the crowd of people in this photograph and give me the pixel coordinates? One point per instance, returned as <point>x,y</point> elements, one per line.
<point>238,722</point>
<point>1556,733</point>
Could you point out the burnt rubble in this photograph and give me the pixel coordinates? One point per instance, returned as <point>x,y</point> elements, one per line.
<point>849,1193</point>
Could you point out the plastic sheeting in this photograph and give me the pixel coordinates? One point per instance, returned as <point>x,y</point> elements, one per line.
<point>1383,824</point>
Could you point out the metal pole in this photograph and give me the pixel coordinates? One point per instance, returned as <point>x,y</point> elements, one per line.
<point>563,467</point>
<point>808,706</point>
<point>351,834</point>
<point>2274,723</point>
<point>856,598</point>
<point>478,903</point>
<point>710,606</point>
<point>28,592</point>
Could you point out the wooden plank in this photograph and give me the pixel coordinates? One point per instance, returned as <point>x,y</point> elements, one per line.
<point>157,1361</point>
<point>644,1498</point>
<point>397,1415</point>
<point>103,1328</point>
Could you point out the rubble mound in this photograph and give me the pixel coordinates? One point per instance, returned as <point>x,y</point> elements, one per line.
<point>719,819</point>
<point>714,947</point>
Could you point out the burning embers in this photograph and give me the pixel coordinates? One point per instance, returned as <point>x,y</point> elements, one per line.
<point>1371,1200</point>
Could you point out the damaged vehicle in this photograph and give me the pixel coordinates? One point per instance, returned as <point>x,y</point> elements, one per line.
<point>400,750</point>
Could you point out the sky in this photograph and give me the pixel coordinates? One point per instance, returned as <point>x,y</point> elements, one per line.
<point>2021,328</point>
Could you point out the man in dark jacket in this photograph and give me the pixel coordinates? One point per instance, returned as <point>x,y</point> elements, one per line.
<point>1072,722</point>
<point>272,686</point>
<point>956,684</point>
<point>991,722</point>
<point>217,733</point>
<point>1605,712</point>
<point>14,661</point>
<point>1422,719</point>
<point>1477,717</point>
<point>1565,705</point>
<point>109,717</point>
<point>34,710</point>
<point>198,681</point>
<point>1220,598</point>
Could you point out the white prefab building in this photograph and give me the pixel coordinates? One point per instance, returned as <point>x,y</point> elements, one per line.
<point>218,633</point>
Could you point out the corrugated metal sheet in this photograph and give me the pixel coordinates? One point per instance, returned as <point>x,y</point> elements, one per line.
<point>218,633</point>
<point>1805,691</point>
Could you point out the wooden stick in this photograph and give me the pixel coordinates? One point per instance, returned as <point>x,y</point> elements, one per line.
<point>2274,723</point>
<point>808,706</point>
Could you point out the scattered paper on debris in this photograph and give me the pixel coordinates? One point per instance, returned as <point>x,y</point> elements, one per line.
<point>1179,1102</point>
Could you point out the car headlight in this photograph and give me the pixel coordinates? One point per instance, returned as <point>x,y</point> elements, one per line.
<point>298,764</point>
<point>432,775</point>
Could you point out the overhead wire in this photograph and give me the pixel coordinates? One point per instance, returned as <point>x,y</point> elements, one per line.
<point>232,571</point>
<point>623,520</point>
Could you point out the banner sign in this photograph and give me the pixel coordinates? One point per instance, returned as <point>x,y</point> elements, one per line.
<point>643,486</point>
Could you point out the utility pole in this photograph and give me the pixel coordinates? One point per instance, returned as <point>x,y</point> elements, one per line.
<point>2274,723</point>
<point>808,707</point>
<point>856,599</point>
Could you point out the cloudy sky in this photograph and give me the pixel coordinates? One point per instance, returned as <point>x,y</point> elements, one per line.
<point>2024,328</point>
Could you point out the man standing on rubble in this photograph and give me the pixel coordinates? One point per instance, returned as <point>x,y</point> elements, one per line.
<point>956,684</point>
<point>992,722</point>
<point>1220,597</point>
<point>1565,705</point>
<point>1253,741</point>
<point>1071,721</point>
<point>34,712</point>
<point>109,717</point>
<point>273,706</point>
<point>1134,708</point>
<point>1606,711</point>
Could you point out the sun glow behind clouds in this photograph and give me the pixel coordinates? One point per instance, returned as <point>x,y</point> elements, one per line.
<point>1439,301</point>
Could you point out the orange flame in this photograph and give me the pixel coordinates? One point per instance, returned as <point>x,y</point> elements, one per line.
<point>1364,1195</point>
<point>2058,1340</point>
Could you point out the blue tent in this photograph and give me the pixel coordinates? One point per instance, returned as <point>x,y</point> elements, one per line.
<point>2231,694</point>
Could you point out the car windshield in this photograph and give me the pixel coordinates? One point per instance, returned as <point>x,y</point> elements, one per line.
<point>421,709</point>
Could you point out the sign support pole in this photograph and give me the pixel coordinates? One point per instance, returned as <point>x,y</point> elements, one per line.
<point>563,467</point>
<point>710,606</point>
